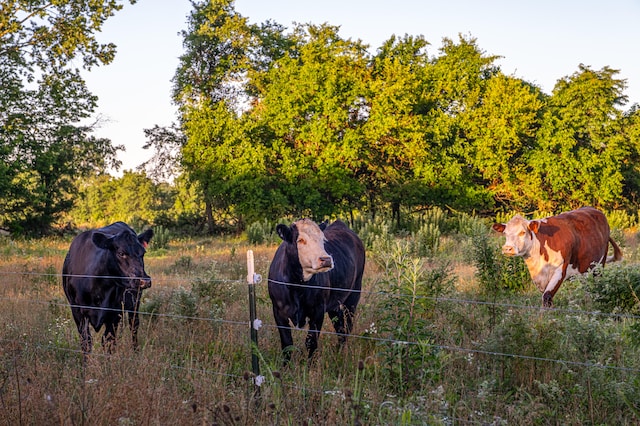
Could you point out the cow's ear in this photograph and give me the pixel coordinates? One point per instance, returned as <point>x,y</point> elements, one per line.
<point>145,237</point>
<point>284,231</point>
<point>102,241</point>
<point>534,225</point>
<point>323,225</point>
<point>499,227</point>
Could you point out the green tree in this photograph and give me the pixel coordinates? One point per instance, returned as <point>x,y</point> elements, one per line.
<point>166,143</point>
<point>501,133</point>
<point>396,123</point>
<point>133,198</point>
<point>43,148</point>
<point>210,90</point>
<point>454,88</point>
<point>581,144</point>
<point>309,115</point>
<point>630,166</point>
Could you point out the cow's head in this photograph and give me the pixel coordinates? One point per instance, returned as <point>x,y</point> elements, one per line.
<point>519,233</point>
<point>126,257</point>
<point>309,240</point>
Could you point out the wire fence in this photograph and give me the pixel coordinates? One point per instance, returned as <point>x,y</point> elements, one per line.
<point>249,326</point>
<point>264,322</point>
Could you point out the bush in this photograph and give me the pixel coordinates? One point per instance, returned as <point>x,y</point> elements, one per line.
<point>376,233</point>
<point>262,232</point>
<point>161,237</point>
<point>620,219</point>
<point>407,314</point>
<point>496,272</point>
<point>614,289</point>
<point>426,241</point>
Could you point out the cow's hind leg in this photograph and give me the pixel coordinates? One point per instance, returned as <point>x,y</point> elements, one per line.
<point>342,318</point>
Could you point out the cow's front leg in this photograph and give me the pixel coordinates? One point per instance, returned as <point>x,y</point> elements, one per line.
<point>315,325</point>
<point>109,336</point>
<point>85,334</point>
<point>284,329</point>
<point>552,287</point>
<point>132,306</point>
<point>134,323</point>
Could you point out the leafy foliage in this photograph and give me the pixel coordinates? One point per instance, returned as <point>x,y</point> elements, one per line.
<point>494,271</point>
<point>43,148</point>
<point>307,123</point>
<point>615,288</point>
<point>410,292</point>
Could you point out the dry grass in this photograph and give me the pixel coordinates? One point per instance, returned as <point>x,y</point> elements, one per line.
<point>187,371</point>
<point>196,368</point>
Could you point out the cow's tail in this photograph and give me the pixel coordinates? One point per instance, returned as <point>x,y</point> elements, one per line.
<point>617,253</point>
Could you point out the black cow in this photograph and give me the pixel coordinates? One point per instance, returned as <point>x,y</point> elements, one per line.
<point>314,272</point>
<point>103,276</point>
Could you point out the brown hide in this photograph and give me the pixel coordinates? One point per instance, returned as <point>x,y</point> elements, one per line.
<point>559,246</point>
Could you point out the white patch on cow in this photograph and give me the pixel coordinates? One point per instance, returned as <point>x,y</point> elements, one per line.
<point>311,253</point>
<point>519,239</point>
<point>545,273</point>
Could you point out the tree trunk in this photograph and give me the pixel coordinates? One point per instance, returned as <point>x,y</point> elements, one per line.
<point>209,216</point>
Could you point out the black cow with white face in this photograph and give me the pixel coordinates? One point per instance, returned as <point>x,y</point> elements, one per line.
<point>103,276</point>
<point>315,270</point>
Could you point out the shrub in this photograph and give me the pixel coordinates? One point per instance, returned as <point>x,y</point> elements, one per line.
<point>376,234</point>
<point>425,241</point>
<point>496,272</point>
<point>161,237</point>
<point>263,232</point>
<point>407,313</point>
<point>614,289</point>
<point>469,225</point>
<point>620,219</point>
<point>259,232</point>
<point>437,217</point>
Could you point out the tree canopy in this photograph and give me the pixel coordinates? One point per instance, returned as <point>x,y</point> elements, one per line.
<point>277,122</point>
<point>305,122</point>
<point>44,148</point>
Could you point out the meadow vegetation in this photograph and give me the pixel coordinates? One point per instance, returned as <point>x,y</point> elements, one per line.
<point>448,331</point>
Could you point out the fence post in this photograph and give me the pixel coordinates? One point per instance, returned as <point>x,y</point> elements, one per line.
<point>251,280</point>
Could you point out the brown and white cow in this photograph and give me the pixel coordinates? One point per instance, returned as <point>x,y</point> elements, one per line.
<point>558,247</point>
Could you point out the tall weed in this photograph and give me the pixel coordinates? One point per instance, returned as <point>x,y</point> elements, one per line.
<point>496,272</point>
<point>407,316</point>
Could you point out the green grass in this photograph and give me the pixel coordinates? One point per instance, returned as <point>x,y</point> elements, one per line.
<point>424,351</point>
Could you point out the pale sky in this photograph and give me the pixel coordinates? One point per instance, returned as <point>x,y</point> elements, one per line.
<point>539,41</point>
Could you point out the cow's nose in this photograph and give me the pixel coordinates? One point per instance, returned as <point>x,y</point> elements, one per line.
<point>145,283</point>
<point>508,249</point>
<point>326,262</point>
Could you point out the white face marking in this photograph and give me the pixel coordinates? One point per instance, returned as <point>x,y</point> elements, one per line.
<point>519,239</point>
<point>311,253</point>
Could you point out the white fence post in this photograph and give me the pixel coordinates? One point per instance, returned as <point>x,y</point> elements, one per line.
<point>252,279</point>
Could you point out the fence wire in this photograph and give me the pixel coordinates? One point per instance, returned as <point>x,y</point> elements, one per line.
<point>266,325</point>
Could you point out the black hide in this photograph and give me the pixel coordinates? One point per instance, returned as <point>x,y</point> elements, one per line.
<point>103,276</point>
<point>336,292</point>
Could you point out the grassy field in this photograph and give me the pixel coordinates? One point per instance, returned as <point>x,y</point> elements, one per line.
<point>431,345</point>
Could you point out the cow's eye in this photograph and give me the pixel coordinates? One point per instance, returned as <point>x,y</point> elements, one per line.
<point>302,241</point>
<point>122,254</point>
<point>522,234</point>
